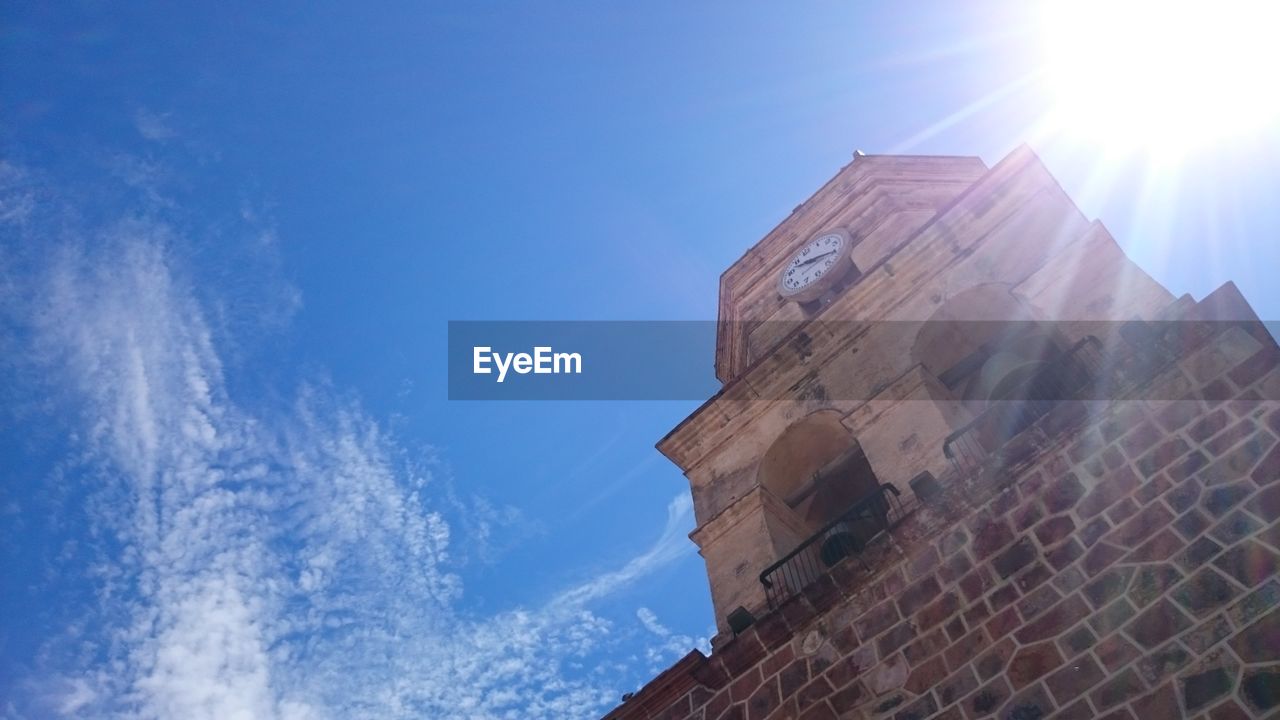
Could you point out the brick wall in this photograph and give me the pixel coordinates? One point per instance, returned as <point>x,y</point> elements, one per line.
<point>1130,571</point>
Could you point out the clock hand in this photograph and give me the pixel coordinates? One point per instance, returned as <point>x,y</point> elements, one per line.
<point>816,258</point>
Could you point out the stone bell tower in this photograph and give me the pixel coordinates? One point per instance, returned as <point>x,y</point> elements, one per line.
<point>969,460</point>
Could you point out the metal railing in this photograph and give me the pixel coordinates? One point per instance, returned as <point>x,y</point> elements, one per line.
<point>1072,376</point>
<point>844,537</point>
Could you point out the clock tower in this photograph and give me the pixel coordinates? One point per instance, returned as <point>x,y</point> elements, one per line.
<point>968,459</point>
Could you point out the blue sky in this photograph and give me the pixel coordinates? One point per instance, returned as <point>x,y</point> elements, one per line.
<point>231,239</point>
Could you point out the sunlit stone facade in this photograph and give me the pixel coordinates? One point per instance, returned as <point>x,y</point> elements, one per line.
<point>1108,547</point>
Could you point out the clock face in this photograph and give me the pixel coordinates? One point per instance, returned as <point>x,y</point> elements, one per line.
<point>811,263</point>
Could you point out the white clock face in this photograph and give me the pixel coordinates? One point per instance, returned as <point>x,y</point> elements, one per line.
<point>812,262</point>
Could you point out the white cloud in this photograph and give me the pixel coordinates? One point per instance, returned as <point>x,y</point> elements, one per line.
<point>153,126</point>
<point>669,646</point>
<point>280,564</point>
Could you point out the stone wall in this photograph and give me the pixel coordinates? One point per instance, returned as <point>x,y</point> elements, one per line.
<point>1128,572</point>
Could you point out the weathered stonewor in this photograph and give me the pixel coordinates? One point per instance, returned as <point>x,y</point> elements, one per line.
<point>1130,571</point>
<point>1117,555</point>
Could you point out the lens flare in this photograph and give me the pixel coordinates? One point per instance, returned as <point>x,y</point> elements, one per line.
<point>1164,76</point>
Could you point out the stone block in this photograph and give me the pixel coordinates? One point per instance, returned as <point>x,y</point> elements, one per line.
<point>1202,689</point>
<point>1074,679</point>
<point>1217,501</point>
<point>1266,504</point>
<point>1109,490</point>
<point>1121,688</point>
<point>847,699</point>
<point>924,677</point>
<point>1038,601</point>
<point>1054,530</point>
<point>953,541</point>
<point>1183,496</point>
<point>1093,531</point>
<point>1160,703</point>
<point>1268,470</point>
<point>955,687</point>
<point>1239,462</point>
<point>1255,603</point>
<point>846,670</point>
<point>1162,546</point>
<point>1209,425</point>
<point>741,653</point>
<point>938,611</point>
<point>1258,365</point>
<point>920,709</point>
<point>976,583</point>
<point>896,638</point>
<point>1002,623</point>
<point>1261,688</point>
<point>1026,516</point>
<point>1228,710</point>
<point>1150,581</point>
<point>1197,554</point>
<point>1153,488</point>
<point>990,536</point>
<point>793,677</point>
<point>1115,652</point>
<point>1065,554</point>
<point>1108,586</point>
<point>1014,558</point>
<point>1054,621</point>
<point>1141,526</point>
<point>1122,510</point>
<point>995,660</point>
<point>1205,592</point>
<point>922,563</point>
<point>1207,634</point>
<point>1031,702</point>
<point>1062,494</point>
<point>1032,663</point>
<point>954,568</point>
<point>763,702</point>
<point>1001,598</point>
<point>887,676</point>
<point>1259,642</point>
<point>1228,438</point>
<point>1077,641</point>
<point>1191,524</point>
<point>745,684</point>
<point>925,647</point>
<point>1249,563</point>
<point>1111,617</point>
<point>1140,438</point>
<point>1100,557</point>
<point>1157,624</point>
<point>987,699</point>
<point>1162,456</point>
<point>816,691</point>
<point>877,620</point>
<point>781,658</point>
<point>917,596</point>
<point>1187,466</point>
<point>1162,663</point>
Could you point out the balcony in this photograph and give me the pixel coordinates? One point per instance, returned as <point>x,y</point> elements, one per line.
<point>845,537</point>
<point>1051,401</point>
<point>1047,403</point>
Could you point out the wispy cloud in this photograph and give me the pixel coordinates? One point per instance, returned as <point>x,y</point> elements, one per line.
<point>153,126</point>
<point>259,563</point>
<point>667,646</point>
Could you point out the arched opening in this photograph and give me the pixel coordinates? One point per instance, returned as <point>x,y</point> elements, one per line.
<point>986,345</point>
<point>818,469</point>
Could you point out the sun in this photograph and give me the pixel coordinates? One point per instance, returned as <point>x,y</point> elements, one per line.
<point>1161,76</point>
